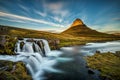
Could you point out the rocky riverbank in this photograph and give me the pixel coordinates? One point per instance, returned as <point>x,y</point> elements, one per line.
<point>107,63</point>
<point>13,71</point>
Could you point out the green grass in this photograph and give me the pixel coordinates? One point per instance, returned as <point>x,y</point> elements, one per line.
<point>20,72</point>
<point>107,63</point>
<point>65,38</point>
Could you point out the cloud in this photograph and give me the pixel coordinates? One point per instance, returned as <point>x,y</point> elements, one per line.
<point>56,8</point>
<point>57,19</point>
<point>116,19</point>
<point>54,30</point>
<point>55,5</point>
<point>40,13</point>
<point>19,21</point>
<point>107,27</point>
<point>29,19</point>
<point>24,8</point>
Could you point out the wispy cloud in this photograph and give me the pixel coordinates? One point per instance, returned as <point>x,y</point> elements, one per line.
<point>43,14</point>
<point>19,21</point>
<point>29,19</point>
<point>116,19</point>
<point>107,27</point>
<point>57,19</point>
<point>56,8</point>
<point>24,7</point>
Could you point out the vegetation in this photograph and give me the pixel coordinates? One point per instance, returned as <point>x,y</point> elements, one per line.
<point>107,63</point>
<point>13,71</point>
<point>8,46</point>
<point>77,35</point>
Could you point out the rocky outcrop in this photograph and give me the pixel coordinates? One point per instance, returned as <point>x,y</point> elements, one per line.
<point>13,71</point>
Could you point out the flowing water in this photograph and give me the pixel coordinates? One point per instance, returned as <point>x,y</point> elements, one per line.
<point>65,64</point>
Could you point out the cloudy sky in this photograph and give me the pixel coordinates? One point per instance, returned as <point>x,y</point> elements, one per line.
<point>57,15</point>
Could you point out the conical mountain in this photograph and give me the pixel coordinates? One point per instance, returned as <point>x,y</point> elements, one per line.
<point>78,28</point>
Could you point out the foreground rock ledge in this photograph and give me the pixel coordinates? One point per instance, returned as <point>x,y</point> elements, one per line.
<point>13,71</point>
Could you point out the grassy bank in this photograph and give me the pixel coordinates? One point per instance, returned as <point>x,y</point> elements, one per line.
<point>107,63</point>
<point>13,71</point>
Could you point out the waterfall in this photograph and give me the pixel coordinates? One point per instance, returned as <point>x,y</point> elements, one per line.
<point>46,47</point>
<point>28,48</point>
<point>32,53</point>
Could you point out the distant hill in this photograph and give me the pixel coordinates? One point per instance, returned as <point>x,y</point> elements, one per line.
<point>21,32</point>
<point>78,29</point>
<point>114,32</point>
<point>78,33</point>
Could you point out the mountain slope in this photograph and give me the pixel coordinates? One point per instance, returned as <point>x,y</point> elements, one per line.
<point>78,29</point>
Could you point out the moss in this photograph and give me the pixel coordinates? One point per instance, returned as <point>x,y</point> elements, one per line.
<point>107,63</point>
<point>7,76</point>
<point>8,47</point>
<point>13,71</point>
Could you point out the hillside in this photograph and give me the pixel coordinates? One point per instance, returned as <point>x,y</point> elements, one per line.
<point>77,34</point>
<point>79,29</point>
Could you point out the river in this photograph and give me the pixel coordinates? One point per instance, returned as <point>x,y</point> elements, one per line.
<point>68,63</point>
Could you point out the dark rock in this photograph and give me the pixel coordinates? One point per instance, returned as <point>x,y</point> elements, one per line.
<point>20,39</point>
<point>98,51</point>
<point>104,78</point>
<point>41,45</point>
<point>90,71</point>
<point>117,53</point>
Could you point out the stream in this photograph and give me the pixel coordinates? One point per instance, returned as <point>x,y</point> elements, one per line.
<point>68,63</point>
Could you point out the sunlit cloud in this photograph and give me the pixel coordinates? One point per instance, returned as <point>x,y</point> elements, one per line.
<point>34,14</point>
<point>57,8</point>
<point>19,21</point>
<point>29,19</point>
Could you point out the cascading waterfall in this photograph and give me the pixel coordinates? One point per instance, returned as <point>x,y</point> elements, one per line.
<point>32,52</point>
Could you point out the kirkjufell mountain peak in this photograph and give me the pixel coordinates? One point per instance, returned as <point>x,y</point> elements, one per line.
<point>78,28</point>
<point>77,22</point>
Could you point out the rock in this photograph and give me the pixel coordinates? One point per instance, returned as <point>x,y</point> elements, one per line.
<point>104,78</point>
<point>117,53</point>
<point>20,39</point>
<point>98,51</point>
<point>41,45</point>
<point>90,71</point>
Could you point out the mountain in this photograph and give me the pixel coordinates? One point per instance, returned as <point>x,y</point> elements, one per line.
<point>78,29</point>
<point>114,32</point>
<point>21,32</point>
<point>78,33</point>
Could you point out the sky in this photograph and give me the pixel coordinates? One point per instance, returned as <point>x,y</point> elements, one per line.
<point>58,15</point>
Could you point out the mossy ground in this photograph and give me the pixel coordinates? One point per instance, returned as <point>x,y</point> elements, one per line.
<point>13,71</point>
<point>107,63</point>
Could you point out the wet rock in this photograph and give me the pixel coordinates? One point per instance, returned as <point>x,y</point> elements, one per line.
<point>54,44</point>
<point>87,66</point>
<point>41,45</point>
<point>20,39</point>
<point>21,45</point>
<point>30,40</point>
<point>90,71</point>
<point>98,51</point>
<point>117,53</point>
<point>104,78</point>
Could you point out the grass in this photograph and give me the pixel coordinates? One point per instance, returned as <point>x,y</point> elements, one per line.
<point>107,63</point>
<point>19,73</point>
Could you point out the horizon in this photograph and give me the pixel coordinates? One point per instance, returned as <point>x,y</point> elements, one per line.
<point>57,15</point>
